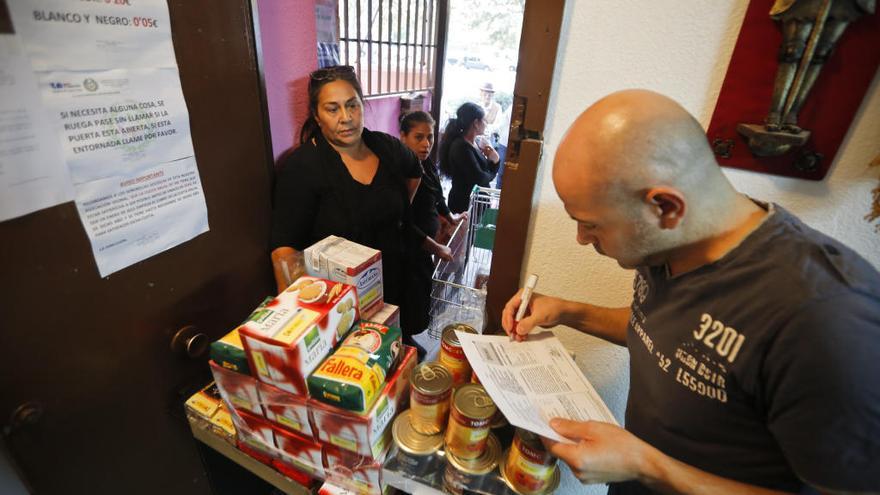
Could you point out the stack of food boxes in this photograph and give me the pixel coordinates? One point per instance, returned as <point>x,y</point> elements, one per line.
<point>306,394</point>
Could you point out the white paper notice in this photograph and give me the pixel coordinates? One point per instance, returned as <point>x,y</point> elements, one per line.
<point>94,35</point>
<point>533,381</point>
<point>110,89</point>
<point>130,218</point>
<point>33,175</point>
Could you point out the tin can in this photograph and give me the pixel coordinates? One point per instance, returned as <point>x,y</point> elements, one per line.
<point>471,474</point>
<point>528,467</point>
<point>452,356</point>
<point>469,422</point>
<point>429,400</point>
<point>415,451</point>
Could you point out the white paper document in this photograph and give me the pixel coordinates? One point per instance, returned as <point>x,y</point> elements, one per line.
<point>533,381</point>
<point>94,35</point>
<point>132,217</point>
<point>109,115</point>
<point>33,174</point>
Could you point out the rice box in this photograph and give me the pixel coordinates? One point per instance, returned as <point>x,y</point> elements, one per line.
<point>287,410</point>
<point>287,339</point>
<point>239,391</point>
<point>344,261</point>
<point>353,376</point>
<point>300,453</point>
<point>366,434</point>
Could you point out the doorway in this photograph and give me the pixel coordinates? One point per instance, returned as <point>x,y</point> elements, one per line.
<point>480,68</point>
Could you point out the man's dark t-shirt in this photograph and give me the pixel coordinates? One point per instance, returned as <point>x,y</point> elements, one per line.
<point>764,366</point>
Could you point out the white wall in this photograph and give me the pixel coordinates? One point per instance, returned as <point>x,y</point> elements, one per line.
<point>680,49</point>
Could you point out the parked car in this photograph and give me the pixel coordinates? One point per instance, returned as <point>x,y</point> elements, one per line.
<point>473,62</point>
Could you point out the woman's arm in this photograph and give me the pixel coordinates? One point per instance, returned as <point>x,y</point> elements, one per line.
<point>293,216</point>
<point>467,167</point>
<point>288,265</point>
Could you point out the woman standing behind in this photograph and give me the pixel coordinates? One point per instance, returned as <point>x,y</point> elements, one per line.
<point>344,180</point>
<point>462,158</point>
<point>429,210</point>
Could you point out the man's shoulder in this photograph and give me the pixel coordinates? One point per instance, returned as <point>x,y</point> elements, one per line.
<point>789,255</point>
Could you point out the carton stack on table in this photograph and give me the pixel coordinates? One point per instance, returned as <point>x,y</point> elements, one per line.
<point>335,425</point>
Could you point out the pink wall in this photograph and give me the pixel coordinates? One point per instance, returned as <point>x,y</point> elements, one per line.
<point>382,113</point>
<point>288,39</point>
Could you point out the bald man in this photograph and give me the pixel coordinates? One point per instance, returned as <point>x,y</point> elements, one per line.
<point>754,340</point>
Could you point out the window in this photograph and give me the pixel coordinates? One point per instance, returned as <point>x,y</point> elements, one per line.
<point>391,43</point>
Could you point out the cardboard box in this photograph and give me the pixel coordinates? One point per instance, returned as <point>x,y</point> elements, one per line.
<point>205,410</point>
<point>287,339</point>
<point>331,489</point>
<point>389,316</point>
<point>239,391</point>
<point>228,352</point>
<point>341,260</point>
<point>299,453</point>
<point>286,410</point>
<point>360,474</point>
<point>294,474</point>
<point>256,437</point>
<point>366,434</point>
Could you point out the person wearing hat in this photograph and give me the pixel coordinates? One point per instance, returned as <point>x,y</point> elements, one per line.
<point>490,106</point>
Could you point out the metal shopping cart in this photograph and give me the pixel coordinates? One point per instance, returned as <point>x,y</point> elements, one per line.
<point>458,292</point>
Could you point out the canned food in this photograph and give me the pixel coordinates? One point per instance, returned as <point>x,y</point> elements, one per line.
<point>470,474</point>
<point>415,452</point>
<point>452,356</point>
<point>469,422</point>
<point>528,467</point>
<point>429,400</point>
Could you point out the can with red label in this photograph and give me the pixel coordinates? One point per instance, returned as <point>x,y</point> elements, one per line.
<point>469,421</point>
<point>452,355</point>
<point>528,467</point>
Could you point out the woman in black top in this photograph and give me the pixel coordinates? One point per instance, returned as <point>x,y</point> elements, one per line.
<point>428,211</point>
<point>347,181</point>
<point>468,162</point>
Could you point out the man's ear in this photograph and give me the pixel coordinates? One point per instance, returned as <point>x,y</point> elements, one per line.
<point>668,204</point>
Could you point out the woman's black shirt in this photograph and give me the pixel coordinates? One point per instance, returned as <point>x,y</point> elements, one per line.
<point>316,196</point>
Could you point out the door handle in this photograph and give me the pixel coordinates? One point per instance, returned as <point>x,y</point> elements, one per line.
<point>189,341</point>
<point>25,415</point>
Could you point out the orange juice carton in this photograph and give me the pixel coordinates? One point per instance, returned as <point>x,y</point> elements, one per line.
<point>256,437</point>
<point>239,391</point>
<point>344,261</point>
<point>299,453</point>
<point>287,339</point>
<point>286,410</point>
<point>366,434</point>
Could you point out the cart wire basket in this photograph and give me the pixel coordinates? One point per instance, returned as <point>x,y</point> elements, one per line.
<point>458,291</point>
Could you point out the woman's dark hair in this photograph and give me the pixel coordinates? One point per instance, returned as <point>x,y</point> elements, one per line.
<point>317,80</point>
<point>465,116</point>
<point>410,119</point>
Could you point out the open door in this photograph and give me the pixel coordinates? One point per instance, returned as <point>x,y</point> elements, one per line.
<point>542,22</point>
<point>92,395</point>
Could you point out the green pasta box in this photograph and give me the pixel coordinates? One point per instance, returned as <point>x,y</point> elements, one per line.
<point>228,352</point>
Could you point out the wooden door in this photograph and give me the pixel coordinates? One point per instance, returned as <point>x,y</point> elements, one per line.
<point>86,368</point>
